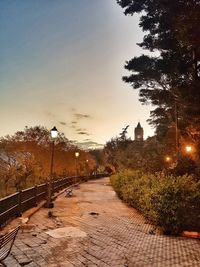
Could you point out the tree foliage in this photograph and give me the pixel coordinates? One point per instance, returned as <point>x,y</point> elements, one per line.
<point>25,159</point>
<point>147,155</point>
<point>172,76</point>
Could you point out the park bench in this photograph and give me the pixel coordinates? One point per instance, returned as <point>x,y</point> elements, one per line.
<point>6,243</point>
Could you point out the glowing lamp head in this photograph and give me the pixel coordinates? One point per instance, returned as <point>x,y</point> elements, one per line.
<point>188,149</point>
<point>54,132</point>
<point>167,159</point>
<point>76,154</point>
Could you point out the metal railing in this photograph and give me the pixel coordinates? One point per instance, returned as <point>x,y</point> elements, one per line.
<point>14,205</point>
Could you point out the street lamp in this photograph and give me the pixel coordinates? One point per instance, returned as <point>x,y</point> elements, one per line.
<point>54,134</point>
<point>87,167</point>
<point>77,155</point>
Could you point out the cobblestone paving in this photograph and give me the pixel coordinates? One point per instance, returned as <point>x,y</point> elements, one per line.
<point>116,235</point>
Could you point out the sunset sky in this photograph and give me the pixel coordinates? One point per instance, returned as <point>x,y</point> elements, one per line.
<point>61,64</point>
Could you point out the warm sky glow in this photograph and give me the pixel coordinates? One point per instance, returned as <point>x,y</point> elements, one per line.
<point>62,63</point>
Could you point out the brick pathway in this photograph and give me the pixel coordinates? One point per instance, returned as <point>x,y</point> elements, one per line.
<point>116,235</point>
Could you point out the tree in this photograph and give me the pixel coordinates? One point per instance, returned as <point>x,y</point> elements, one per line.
<point>28,157</point>
<point>124,133</point>
<point>172,78</point>
<point>147,155</point>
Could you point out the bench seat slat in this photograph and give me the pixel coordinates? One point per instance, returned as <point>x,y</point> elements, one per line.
<point>6,243</point>
<point>8,237</point>
<point>3,253</point>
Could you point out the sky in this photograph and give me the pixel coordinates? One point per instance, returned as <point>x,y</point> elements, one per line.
<point>62,64</point>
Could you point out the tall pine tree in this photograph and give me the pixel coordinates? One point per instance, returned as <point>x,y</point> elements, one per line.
<point>170,81</point>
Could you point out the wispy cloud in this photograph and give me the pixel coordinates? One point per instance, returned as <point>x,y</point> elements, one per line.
<point>81,130</point>
<point>89,145</point>
<point>83,133</point>
<point>49,114</point>
<point>80,116</point>
<point>63,123</point>
<point>77,120</point>
<point>72,126</point>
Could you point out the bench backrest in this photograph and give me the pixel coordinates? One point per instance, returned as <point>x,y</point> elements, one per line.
<point>6,242</point>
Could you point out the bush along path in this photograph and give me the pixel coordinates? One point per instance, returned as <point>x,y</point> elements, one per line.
<point>171,203</point>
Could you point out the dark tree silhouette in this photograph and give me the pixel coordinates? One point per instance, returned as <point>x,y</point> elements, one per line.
<point>170,81</point>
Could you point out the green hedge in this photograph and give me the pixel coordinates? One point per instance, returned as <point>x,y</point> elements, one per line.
<point>172,203</point>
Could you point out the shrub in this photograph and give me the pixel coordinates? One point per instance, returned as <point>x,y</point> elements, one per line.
<point>185,165</point>
<point>172,203</point>
<point>176,203</point>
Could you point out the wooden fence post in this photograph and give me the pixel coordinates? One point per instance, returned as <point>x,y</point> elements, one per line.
<point>19,203</point>
<point>35,195</point>
<point>52,188</point>
<point>47,190</point>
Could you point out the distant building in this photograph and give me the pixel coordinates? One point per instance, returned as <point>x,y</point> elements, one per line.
<point>139,133</point>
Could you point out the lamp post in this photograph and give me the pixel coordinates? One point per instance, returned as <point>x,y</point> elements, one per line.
<point>86,168</point>
<point>176,115</point>
<point>176,129</point>
<point>54,134</point>
<point>77,155</point>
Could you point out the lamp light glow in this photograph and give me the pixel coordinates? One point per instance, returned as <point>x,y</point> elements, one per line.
<point>188,149</point>
<point>77,154</point>
<point>167,159</point>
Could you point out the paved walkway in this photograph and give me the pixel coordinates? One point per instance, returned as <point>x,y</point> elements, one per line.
<point>115,235</point>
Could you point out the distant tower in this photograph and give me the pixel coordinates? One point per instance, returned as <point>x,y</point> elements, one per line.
<point>139,133</point>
